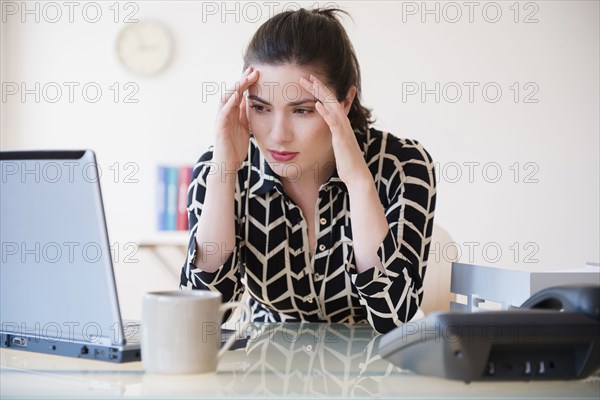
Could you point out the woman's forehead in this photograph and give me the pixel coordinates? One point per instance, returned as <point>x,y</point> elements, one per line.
<point>282,74</point>
<point>280,83</point>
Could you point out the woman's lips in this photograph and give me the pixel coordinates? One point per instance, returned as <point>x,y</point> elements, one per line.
<point>282,155</point>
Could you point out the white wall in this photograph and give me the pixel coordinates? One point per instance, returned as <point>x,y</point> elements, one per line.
<point>554,218</point>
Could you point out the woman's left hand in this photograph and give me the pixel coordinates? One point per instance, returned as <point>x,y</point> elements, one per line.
<point>350,163</point>
<point>369,224</point>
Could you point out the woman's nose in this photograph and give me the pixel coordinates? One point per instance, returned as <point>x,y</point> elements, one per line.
<point>281,131</point>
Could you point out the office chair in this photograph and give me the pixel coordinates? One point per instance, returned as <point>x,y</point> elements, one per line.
<point>442,252</point>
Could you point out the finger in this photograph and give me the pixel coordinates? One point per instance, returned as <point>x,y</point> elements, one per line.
<point>243,82</point>
<point>319,90</point>
<point>243,115</point>
<point>225,111</point>
<point>327,96</point>
<point>307,85</point>
<point>325,113</point>
<point>231,103</point>
<point>231,90</point>
<point>250,80</point>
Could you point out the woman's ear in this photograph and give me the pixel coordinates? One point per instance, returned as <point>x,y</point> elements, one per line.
<point>347,102</point>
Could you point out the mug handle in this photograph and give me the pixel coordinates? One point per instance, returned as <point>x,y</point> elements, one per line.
<point>232,339</point>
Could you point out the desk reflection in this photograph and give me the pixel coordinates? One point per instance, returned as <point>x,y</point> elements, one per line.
<point>307,358</point>
<point>291,359</point>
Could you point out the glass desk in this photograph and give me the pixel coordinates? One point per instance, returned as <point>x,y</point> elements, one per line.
<point>291,360</point>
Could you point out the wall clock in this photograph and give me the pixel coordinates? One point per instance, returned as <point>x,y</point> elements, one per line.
<point>145,47</point>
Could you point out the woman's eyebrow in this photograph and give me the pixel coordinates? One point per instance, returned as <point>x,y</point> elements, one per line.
<point>290,104</point>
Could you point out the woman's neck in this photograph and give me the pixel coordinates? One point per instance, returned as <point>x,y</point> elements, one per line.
<point>310,179</point>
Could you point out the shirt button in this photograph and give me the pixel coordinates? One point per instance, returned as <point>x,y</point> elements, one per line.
<point>317,277</point>
<point>309,299</point>
<point>323,221</point>
<point>322,247</point>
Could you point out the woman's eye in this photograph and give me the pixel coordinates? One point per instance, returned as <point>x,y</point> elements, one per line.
<point>258,108</point>
<point>303,111</point>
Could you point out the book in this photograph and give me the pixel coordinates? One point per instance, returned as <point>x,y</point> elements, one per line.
<point>171,198</point>
<point>161,194</point>
<point>185,175</point>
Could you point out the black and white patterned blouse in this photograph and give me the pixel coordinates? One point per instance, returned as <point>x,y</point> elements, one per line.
<point>272,256</point>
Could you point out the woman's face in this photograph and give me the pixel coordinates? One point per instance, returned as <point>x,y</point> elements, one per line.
<point>292,136</point>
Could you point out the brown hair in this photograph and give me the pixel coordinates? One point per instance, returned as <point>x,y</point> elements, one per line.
<point>314,38</point>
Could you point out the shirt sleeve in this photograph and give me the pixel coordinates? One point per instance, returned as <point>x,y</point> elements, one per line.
<point>393,297</point>
<point>226,279</point>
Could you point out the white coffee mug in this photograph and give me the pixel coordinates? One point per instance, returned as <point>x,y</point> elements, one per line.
<point>181,331</point>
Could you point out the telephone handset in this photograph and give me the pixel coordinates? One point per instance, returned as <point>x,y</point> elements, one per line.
<point>555,334</point>
<point>573,298</point>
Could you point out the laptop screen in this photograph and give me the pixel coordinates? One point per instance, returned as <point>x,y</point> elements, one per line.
<point>56,275</point>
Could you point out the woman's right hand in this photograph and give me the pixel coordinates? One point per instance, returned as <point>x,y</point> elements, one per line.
<point>232,130</point>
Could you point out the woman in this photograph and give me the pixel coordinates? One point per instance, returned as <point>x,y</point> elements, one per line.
<point>299,201</point>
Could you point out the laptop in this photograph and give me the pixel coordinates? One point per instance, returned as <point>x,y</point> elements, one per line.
<point>57,285</point>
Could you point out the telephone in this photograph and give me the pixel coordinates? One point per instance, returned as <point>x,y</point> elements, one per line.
<point>555,334</point>
<point>573,298</point>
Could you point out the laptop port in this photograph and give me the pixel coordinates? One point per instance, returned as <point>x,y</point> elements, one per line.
<point>19,341</point>
<point>84,350</point>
